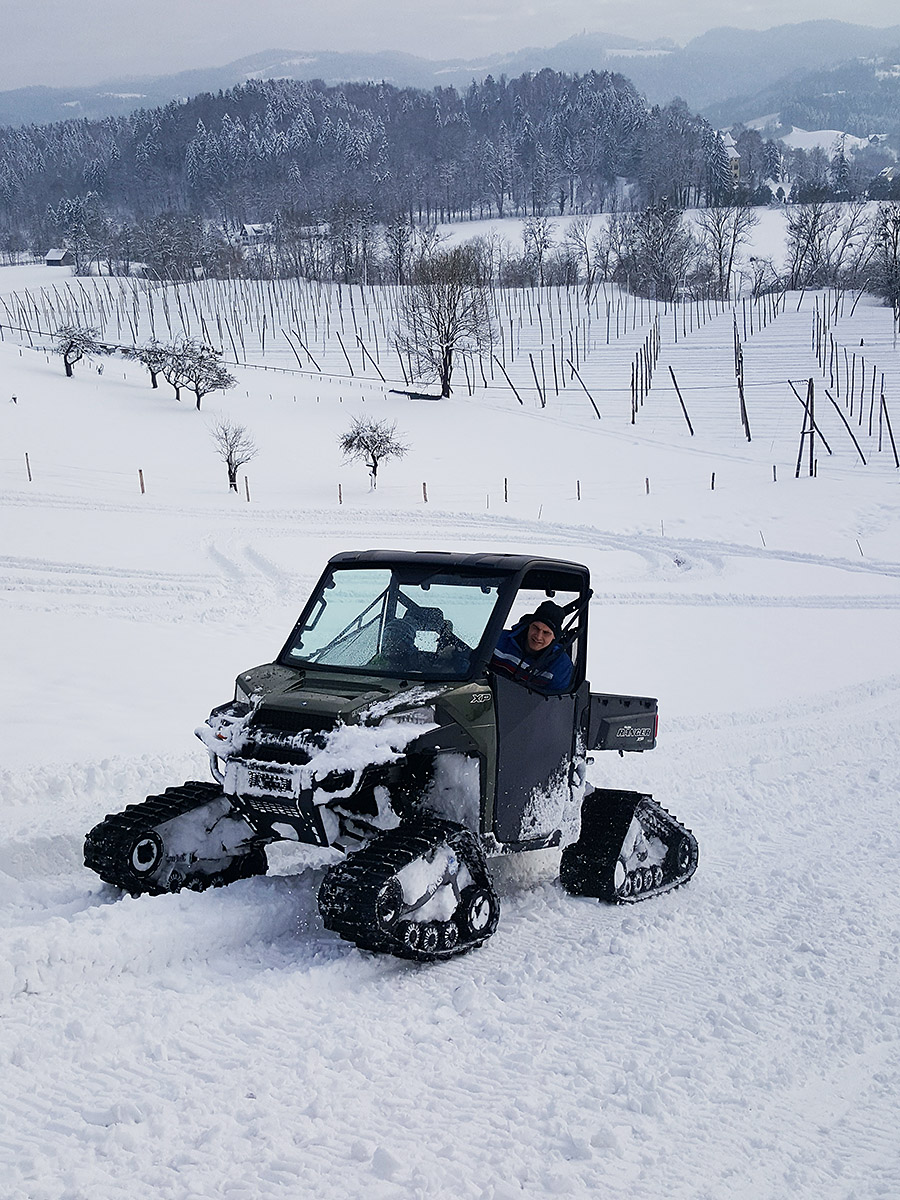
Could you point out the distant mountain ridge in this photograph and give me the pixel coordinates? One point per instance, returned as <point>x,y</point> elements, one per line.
<point>719,64</point>
<point>860,97</point>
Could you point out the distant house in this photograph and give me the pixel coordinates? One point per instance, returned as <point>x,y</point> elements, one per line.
<point>255,235</point>
<point>59,258</point>
<point>734,158</point>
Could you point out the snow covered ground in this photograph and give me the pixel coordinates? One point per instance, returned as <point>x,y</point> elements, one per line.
<point>736,1038</point>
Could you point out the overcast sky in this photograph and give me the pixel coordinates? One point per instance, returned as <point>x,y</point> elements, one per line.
<point>66,42</point>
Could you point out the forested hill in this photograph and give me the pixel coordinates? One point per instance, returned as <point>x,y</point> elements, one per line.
<point>860,97</point>
<point>543,143</point>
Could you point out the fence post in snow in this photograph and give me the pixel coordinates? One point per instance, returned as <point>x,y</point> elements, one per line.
<point>889,429</point>
<point>681,401</point>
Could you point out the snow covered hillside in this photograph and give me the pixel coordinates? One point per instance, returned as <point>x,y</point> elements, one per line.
<point>737,1038</point>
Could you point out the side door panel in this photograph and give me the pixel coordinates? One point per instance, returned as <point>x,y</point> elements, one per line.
<point>535,744</point>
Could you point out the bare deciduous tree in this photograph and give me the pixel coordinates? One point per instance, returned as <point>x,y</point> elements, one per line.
<point>583,246</point>
<point>828,244</point>
<point>886,265</point>
<point>234,446</point>
<point>175,364</point>
<point>374,442</point>
<point>658,254</point>
<point>537,234</point>
<point>444,311</point>
<point>205,372</point>
<point>152,354</point>
<point>722,232</point>
<point>194,365</point>
<point>75,342</point>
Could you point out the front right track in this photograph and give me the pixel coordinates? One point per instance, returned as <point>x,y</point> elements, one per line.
<point>363,899</point>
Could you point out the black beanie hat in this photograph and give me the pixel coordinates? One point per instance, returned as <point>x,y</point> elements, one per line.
<point>549,614</point>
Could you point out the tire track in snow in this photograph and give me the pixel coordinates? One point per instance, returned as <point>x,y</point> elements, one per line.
<point>463,527</point>
<point>46,585</point>
<point>724,600</point>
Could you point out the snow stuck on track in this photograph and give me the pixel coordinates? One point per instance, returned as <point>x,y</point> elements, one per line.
<point>736,1038</point>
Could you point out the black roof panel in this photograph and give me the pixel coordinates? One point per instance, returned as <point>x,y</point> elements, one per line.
<point>510,564</point>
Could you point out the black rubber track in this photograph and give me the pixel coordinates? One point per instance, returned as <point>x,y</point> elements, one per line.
<point>587,867</point>
<point>108,846</point>
<point>349,892</point>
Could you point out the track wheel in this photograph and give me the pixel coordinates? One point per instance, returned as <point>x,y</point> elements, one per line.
<point>146,853</point>
<point>449,935</point>
<point>430,938</point>
<point>478,911</point>
<point>637,881</point>
<point>649,877</point>
<point>410,935</point>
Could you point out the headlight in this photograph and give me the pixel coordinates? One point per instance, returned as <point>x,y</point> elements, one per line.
<point>336,781</point>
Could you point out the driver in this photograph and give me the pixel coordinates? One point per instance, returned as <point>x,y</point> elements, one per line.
<point>530,653</point>
<point>398,647</point>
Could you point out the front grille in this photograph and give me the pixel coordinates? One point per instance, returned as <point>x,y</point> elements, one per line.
<point>290,720</point>
<point>275,751</point>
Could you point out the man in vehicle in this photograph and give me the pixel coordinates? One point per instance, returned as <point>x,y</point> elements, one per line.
<point>531,654</point>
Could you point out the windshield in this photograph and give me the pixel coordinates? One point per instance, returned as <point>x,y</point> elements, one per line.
<point>397,621</point>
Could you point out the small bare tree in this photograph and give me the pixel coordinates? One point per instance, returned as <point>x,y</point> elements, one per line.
<point>372,441</point>
<point>537,234</point>
<point>235,447</point>
<point>194,365</point>
<point>75,342</point>
<point>203,371</point>
<point>153,355</point>
<point>175,364</point>
<point>444,311</point>
<point>582,244</point>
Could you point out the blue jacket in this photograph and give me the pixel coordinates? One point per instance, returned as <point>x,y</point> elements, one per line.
<point>549,671</point>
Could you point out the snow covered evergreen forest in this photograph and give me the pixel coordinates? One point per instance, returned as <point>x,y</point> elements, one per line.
<point>172,187</point>
<point>736,1038</point>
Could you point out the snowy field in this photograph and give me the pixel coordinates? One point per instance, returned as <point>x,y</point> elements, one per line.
<point>737,1038</point>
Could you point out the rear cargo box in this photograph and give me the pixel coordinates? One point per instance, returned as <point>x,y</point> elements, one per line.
<point>621,722</point>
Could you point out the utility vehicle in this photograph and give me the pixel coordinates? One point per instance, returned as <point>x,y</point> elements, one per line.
<point>382,731</point>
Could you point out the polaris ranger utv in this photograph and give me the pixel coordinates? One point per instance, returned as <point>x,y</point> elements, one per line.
<point>381,730</point>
